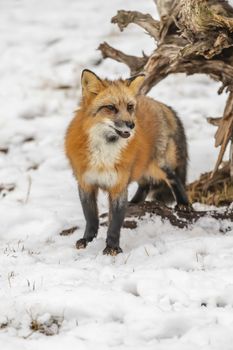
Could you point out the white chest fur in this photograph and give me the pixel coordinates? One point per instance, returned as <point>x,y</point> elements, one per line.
<point>102,157</point>
<point>101,178</point>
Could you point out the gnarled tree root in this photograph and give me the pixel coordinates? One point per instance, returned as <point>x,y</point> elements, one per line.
<point>178,218</point>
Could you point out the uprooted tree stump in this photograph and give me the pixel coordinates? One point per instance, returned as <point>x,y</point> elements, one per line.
<point>193,36</point>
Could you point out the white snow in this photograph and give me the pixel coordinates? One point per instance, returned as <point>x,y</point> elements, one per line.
<point>171,289</point>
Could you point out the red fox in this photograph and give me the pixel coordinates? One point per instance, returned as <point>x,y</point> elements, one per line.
<point>116,137</point>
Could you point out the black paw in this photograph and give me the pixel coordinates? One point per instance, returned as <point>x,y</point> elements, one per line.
<point>184,207</point>
<point>112,251</point>
<point>81,243</point>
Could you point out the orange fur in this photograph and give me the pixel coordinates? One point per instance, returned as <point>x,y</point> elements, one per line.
<point>145,152</point>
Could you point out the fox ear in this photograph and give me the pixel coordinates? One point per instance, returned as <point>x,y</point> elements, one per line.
<point>135,83</point>
<point>91,83</point>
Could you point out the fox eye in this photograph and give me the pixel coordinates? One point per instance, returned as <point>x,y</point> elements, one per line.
<point>112,108</point>
<point>130,107</point>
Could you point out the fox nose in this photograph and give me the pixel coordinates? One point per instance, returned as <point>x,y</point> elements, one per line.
<point>130,125</point>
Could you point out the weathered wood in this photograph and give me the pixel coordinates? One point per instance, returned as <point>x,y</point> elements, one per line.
<point>135,64</point>
<point>214,121</point>
<point>164,8</point>
<point>146,21</point>
<point>231,160</point>
<point>225,130</point>
<point>193,36</point>
<point>160,65</point>
<point>213,190</point>
<point>179,218</point>
<point>225,121</point>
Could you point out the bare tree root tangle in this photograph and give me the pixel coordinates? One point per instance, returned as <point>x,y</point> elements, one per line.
<point>178,218</point>
<point>192,36</point>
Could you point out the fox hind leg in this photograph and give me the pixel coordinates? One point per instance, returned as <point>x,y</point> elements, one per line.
<point>177,188</point>
<point>141,193</point>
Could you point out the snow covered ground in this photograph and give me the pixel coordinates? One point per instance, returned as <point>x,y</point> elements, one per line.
<point>171,288</point>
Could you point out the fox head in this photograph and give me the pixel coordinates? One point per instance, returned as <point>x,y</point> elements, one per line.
<point>111,104</point>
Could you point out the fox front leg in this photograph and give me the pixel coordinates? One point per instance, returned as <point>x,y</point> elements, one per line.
<point>90,211</point>
<point>117,210</point>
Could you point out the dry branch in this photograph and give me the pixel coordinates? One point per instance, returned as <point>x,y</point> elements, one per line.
<point>214,121</point>
<point>124,18</point>
<point>231,159</point>
<point>135,64</point>
<point>225,130</point>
